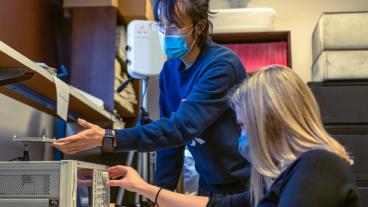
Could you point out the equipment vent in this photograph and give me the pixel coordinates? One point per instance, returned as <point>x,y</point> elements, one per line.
<point>25,185</point>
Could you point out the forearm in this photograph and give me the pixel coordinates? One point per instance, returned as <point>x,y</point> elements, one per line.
<point>168,198</point>
<point>160,134</point>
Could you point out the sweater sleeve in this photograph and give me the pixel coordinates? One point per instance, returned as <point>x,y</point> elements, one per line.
<point>321,179</point>
<point>206,102</point>
<point>237,200</point>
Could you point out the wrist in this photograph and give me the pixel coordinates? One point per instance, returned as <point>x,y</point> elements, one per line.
<point>142,186</point>
<point>103,132</point>
<point>148,191</point>
<point>156,197</point>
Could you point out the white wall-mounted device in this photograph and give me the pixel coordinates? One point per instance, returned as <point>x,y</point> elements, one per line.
<point>144,53</point>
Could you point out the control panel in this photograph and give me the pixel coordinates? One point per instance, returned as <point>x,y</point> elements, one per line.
<point>101,193</point>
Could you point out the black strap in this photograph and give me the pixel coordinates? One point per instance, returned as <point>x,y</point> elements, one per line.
<point>155,203</point>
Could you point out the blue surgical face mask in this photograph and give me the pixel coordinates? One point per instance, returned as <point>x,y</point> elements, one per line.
<point>243,147</point>
<point>175,45</point>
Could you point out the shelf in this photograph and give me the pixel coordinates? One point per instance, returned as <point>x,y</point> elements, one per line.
<point>251,37</point>
<point>41,87</point>
<point>127,10</point>
<point>89,3</point>
<point>135,9</point>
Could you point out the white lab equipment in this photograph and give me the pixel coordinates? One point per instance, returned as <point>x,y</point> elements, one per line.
<point>53,184</point>
<point>243,20</point>
<point>145,56</point>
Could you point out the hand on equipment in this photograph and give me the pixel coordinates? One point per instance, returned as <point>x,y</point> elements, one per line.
<point>89,138</point>
<point>131,179</point>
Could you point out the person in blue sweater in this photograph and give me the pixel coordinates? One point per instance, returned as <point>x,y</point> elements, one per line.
<point>194,87</point>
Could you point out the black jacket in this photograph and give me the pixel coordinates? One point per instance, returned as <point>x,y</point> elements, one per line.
<point>318,178</point>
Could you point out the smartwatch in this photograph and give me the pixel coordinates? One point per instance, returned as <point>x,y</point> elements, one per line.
<point>108,142</point>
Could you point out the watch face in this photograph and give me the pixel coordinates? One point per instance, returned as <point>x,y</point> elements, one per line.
<point>109,133</point>
<point>108,142</point>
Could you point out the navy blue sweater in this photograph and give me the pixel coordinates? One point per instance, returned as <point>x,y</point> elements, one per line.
<point>195,112</point>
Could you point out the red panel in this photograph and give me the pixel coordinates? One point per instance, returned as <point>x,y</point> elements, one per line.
<point>257,55</point>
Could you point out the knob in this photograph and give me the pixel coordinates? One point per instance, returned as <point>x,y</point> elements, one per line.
<point>105,177</point>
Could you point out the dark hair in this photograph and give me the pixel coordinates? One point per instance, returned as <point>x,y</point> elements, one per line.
<point>197,10</point>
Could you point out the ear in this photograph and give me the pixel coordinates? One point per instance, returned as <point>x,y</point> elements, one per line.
<point>199,28</point>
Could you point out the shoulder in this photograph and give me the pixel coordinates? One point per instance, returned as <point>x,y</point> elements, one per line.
<point>322,157</point>
<point>317,176</point>
<point>221,60</point>
<point>320,162</point>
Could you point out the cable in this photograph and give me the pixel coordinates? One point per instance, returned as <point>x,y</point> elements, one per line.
<point>124,85</point>
<point>145,91</point>
<point>142,113</point>
<point>17,158</point>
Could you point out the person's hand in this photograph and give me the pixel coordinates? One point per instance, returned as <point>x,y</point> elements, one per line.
<point>131,180</point>
<point>89,138</point>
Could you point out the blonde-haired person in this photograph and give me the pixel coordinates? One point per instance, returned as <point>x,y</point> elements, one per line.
<point>295,162</point>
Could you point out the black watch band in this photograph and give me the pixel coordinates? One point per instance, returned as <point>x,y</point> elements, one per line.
<point>108,142</point>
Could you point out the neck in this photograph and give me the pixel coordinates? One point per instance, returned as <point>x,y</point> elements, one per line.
<point>191,57</point>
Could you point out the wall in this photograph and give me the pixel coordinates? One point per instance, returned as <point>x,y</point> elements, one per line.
<point>300,17</point>
<point>27,26</point>
<point>22,120</point>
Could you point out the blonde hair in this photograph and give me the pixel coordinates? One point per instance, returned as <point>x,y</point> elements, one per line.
<point>282,120</point>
